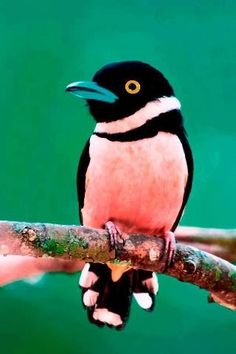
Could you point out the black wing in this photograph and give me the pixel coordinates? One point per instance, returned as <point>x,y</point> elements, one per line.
<point>189,160</point>
<point>81,176</point>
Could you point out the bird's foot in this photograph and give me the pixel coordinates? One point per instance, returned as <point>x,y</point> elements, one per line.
<point>115,234</point>
<point>169,248</point>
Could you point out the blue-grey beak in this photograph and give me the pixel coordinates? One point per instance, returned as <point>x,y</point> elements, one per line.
<point>90,90</point>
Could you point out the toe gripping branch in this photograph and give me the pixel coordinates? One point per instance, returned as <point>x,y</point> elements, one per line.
<point>169,249</point>
<point>115,235</point>
<point>117,241</point>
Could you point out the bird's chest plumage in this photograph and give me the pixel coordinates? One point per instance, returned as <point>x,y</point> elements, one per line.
<point>139,185</point>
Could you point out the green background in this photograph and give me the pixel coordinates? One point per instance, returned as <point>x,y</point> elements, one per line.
<point>46,45</point>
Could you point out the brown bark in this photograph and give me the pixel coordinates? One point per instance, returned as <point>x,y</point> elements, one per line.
<point>220,242</point>
<point>67,244</point>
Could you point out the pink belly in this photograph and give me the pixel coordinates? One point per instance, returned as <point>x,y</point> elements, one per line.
<point>138,185</point>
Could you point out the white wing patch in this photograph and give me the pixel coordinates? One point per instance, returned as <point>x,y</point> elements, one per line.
<point>90,298</point>
<point>108,317</point>
<point>87,278</point>
<point>144,300</point>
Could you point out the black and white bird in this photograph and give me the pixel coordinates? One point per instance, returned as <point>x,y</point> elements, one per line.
<point>134,176</point>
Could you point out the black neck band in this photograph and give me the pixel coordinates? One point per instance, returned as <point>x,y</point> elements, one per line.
<point>171,122</point>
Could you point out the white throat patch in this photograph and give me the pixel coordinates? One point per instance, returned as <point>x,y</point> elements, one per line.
<point>151,110</point>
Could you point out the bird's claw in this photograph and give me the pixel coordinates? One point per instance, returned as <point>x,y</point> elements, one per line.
<point>115,234</point>
<point>169,248</point>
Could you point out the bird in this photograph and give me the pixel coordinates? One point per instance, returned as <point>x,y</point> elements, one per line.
<point>134,176</point>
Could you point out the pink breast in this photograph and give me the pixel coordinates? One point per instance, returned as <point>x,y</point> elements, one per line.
<point>138,185</point>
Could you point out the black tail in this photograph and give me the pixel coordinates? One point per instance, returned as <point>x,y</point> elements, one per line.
<point>107,301</point>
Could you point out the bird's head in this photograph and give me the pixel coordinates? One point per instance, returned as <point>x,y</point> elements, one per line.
<point>120,89</point>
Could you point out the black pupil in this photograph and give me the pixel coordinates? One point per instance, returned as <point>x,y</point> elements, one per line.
<point>132,86</point>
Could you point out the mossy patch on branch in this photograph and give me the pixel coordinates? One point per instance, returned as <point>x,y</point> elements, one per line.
<point>54,245</point>
<point>69,244</point>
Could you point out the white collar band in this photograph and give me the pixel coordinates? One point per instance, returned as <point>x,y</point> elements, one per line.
<point>151,110</point>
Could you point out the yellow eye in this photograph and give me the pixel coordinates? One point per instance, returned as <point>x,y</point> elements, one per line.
<point>132,87</point>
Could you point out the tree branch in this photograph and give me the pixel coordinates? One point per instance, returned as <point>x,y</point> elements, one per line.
<point>220,242</point>
<point>77,243</point>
